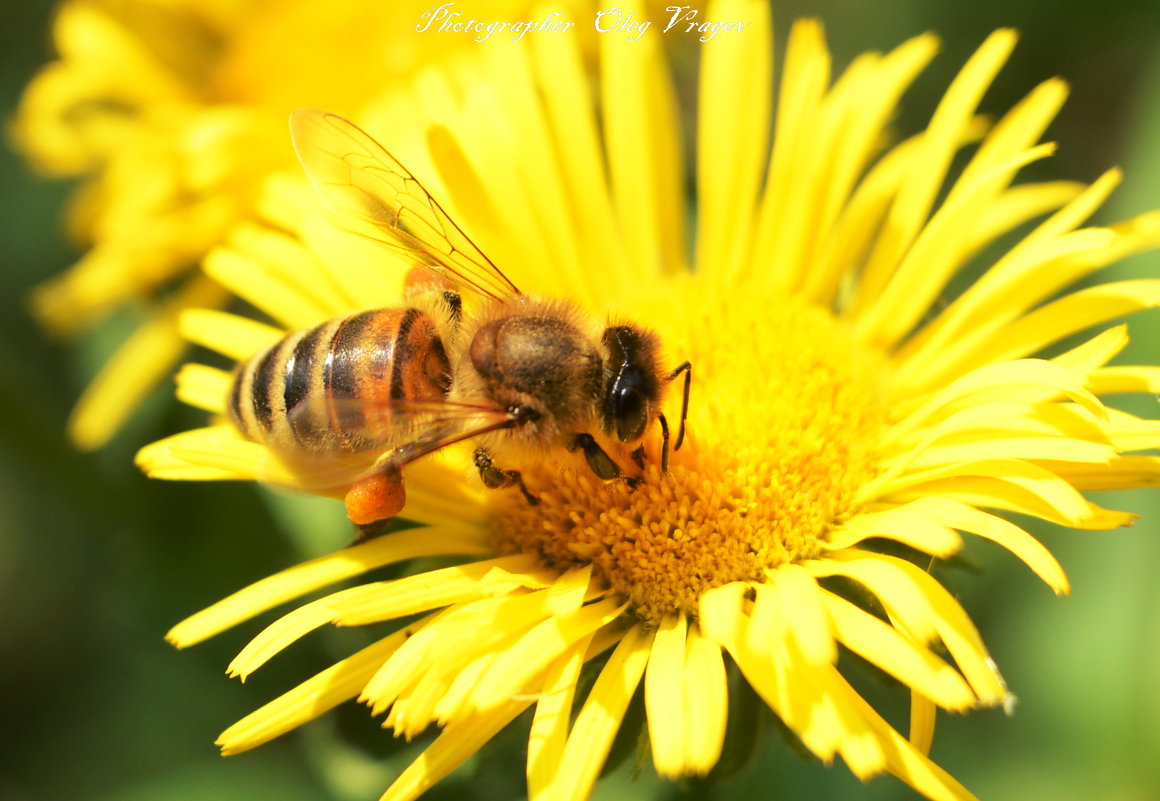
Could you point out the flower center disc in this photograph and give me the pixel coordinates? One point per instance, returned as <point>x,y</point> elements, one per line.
<point>784,419</point>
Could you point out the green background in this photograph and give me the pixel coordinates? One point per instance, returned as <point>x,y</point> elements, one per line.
<point>96,562</point>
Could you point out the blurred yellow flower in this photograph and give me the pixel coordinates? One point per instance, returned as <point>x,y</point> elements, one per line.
<point>172,111</point>
<point>840,416</point>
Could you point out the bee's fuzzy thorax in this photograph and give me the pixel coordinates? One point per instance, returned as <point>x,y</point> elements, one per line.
<point>533,352</point>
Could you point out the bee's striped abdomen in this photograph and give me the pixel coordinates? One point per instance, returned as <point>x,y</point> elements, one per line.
<point>339,387</point>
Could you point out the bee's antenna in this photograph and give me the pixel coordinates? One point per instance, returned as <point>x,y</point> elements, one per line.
<point>687,369</point>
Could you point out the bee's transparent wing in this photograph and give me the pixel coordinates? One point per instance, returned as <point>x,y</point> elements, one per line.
<point>368,192</point>
<point>386,436</point>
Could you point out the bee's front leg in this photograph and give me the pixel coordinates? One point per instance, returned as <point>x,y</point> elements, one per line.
<point>598,460</point>
<point>497,478</point>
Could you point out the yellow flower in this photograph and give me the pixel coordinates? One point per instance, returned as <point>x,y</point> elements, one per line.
<point>174,111</point>
<point>845,430</point>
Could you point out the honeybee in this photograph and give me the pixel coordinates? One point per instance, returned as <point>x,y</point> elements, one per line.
<point>364,395</point>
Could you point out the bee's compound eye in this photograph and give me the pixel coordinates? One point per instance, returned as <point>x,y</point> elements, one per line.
<point>627,407</point>
<point>631,392</point>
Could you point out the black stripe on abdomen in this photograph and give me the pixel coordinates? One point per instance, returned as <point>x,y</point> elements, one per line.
<point>302,409</point>
<point>345,357</point>
<point>234,404</point>
<point>402,352</point>
<point>263,386</point>
<point>348,347</point>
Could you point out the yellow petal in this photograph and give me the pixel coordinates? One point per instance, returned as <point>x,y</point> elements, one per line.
<point>1075,213</point>
<point>538,166</point>
<point>600,717</point>
<point>642,140</point>
<point>793,160</point>
<point>706,702</point>
<point>1130,432</point>
<point>549,730</point>
<point>809,622</point>
<point>1095,352</point>
<point>312,575</point>
<point>904,761</point>
<point>854,115</point>
<point>937,252</point>
<point>1022,380</point>
<point>916,600</point>
<point>1020,128</point>
<point>214,453</point>
<point>1125,378</point>
<point>664,697</point>
<point>1010,536</point>
<point>923,714</point>
<point>905,524</point>
<point>460,740</point>
<point>1023,276</point>
<point>860,222</point>
<point>1017,205</point>
<point>1030,333</point>
<point>287,264</point>
<point>732,136</point>
<point>438,495</point>
<point>364,274</point>
<point>310,699</point>
<point>516,666</point>
<point>1004,419</point>
<point>1071,314</point>
<point>261,285</point>
<point>204,387</point>
<point>469,630</point>
<point>569,109</point>
<point>405,596</point>
<point>1123,472</point>
<point>938,144</point>
<point>437,695</point>
<point>771,663</point>
<point>1008,484</point>
<point>387,600</point>
<point>906,660</point>
<point>721,614</point>
<point>1060,449</point>
<point>239,338</point>
<point>149,353</point>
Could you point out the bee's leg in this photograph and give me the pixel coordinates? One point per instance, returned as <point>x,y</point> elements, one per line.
<point>664,443</point>
<point>496,478</point>
<point>687,369</point>
<point>369,532</point>
<point>454,305</point>
<point>374,500</point>
<point>600,462</point>
<point>638,457</point>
